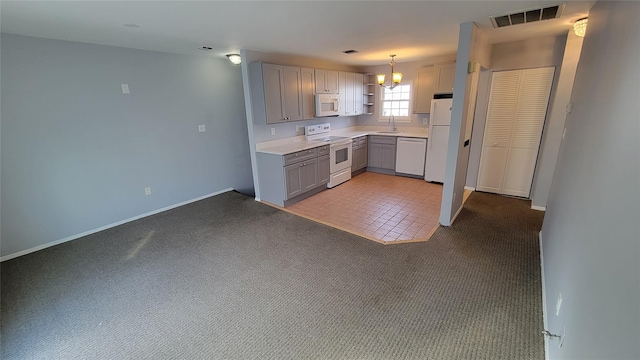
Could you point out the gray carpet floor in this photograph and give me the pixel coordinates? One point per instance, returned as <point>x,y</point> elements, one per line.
<point>230,278</point>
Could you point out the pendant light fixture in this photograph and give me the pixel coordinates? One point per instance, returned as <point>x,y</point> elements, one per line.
<point>396,77</point>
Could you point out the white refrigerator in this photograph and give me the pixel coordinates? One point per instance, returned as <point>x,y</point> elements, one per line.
<point>439,121</point>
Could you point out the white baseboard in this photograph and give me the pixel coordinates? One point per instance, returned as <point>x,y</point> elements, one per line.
<point>89,232</point>
<point>539,208</point>
<point>544,299</point>
<point>454,216</point>
<point>470,188</point>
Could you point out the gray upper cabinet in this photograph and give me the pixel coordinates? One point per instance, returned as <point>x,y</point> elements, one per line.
<point>424,87</point>
<point>444,75</point>
<point>326,81</point>
<point>292,93</point>
<point>351,93</point>
<point>308,87</point>
<point>277,92</point>
<point>359,93</point>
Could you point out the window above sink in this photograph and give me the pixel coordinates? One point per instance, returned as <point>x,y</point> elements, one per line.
<point>396,102</point>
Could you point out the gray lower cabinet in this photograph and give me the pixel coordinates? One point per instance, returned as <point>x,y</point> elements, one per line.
<point>382,154</point>
<point>360,153</point>
<point>323,170</point>
<point>301,177</point>
<point>285,177</point>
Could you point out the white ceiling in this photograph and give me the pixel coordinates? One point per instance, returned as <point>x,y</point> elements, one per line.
<point>322,29</point>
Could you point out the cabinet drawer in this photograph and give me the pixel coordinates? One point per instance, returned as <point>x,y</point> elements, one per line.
<point>362,140</point>
<point>354,144</point>
<point>323,150</point>
<point>299,156</point>
<point>375,139</point>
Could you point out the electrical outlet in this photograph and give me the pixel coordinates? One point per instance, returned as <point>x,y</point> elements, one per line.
<point>125,88</point>
<point>202,128</point>
<point>348,121</point>
<point>273,131</point>
<point>425,120</point>
<point>297,128</point>
<point>147,191</point>
<point>559,304</point>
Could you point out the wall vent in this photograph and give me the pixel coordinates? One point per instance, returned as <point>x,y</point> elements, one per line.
<point>527,16</point>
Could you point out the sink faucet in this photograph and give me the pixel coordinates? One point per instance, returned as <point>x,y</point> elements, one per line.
<point>392,123</point>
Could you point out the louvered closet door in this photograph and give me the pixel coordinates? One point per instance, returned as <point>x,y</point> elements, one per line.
<point>525,95</point>
<point>497,132</point>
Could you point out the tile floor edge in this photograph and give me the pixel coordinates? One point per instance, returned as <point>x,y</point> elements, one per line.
<point>379,241</point>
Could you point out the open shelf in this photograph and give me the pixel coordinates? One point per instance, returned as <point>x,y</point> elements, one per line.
<point>369,93</point>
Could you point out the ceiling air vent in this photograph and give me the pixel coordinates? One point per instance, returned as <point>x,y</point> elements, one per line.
<point>527,16</point>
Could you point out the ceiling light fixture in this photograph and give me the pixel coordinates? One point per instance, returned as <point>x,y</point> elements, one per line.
<point>396,77</point>
<point>580,27</point>
<point>235,58</point>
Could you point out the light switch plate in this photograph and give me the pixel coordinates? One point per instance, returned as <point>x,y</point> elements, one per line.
<point>202,128</point>
<point>273,131</point>
<point>125,88</point>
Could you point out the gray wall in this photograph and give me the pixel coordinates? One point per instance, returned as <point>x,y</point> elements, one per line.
<point>479,120</point>
<point>590,234</point>
<point>77,153</point>
<point>531,53</point>
<point>554,125</point>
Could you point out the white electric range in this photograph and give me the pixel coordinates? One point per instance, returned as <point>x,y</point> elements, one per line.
<point>340,152</point>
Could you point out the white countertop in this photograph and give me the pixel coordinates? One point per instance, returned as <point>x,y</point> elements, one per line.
<point>299,143</point>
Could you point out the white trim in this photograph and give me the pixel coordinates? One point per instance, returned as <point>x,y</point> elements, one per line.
<point>539,208</point>
<point>470,188</point>
<point>544,300</point>
<point>454,216</point>
<point>257,199</point>
<point>400,119</point>
<point>89,232</point>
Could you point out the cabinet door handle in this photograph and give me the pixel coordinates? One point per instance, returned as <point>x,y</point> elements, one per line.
<point>300,165</point>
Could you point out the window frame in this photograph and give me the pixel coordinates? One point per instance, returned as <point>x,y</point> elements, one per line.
<point>381,100</point>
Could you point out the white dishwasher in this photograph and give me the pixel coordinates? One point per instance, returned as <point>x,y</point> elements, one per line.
<point>410,155</point>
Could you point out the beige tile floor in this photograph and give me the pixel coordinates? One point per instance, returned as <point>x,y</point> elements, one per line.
<point>384,208</point>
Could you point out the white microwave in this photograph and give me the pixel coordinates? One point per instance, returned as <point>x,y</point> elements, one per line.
<point>327,105</point>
